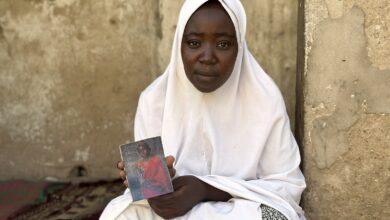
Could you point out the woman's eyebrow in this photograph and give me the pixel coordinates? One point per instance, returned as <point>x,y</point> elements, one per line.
<point>224,34</point>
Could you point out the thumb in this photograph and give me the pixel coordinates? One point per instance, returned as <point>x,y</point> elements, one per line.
<point>170,159</point>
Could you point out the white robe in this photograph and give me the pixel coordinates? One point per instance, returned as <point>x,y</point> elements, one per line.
<point>236,138</point>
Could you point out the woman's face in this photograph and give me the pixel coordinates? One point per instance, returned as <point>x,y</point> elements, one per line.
<point>209,47</point>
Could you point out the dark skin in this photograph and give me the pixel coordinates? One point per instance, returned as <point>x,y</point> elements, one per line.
<point>183,198</point>
<point>209,47</point>
<point>209,50</point>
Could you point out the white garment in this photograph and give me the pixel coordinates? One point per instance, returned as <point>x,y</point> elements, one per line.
<point>236,138</point>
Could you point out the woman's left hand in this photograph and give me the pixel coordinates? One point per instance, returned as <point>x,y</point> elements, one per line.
<point>188,192</point>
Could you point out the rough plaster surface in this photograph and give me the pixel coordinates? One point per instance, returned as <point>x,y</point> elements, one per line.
<point>71,72</point>
<point>357,186</point>
<point>377,30</point>
<point>70,76</point>
<point>347,106</point>
<point>271,37</point>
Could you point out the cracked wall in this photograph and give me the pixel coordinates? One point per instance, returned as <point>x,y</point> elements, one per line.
<point>71,72</point>
<point>346,109</point>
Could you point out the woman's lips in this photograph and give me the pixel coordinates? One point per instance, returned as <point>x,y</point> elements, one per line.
<point>205,77</point>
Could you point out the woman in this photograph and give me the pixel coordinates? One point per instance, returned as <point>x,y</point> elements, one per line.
<point>224,121</point>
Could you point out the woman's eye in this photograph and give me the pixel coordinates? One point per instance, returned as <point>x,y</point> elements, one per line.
<point>223,44</point>
<point>193,43</point>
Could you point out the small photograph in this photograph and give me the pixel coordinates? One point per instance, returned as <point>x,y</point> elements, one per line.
<point>146,168</point>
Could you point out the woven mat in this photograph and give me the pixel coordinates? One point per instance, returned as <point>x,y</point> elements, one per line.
<point>58,201</point>
<point>16,195</point>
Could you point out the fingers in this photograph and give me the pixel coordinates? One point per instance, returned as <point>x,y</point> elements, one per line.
<point>164,198</point>
<point>172,205</point>
<point>170,159</point>
<point>122,174</point>
<point>172,172</point>
<point>162,202</point>
<point>120,165</point>
<point>188,181</point>
<point>178,183</point>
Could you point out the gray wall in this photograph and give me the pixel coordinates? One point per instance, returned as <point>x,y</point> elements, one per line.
<point>346,100</point>
<point>71,72</point>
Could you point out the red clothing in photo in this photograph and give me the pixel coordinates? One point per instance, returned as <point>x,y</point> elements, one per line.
<point>154,181</point>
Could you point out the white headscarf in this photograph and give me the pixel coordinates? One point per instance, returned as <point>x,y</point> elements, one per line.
<point>236,138</point>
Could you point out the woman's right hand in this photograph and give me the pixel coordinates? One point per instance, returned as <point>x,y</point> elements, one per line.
<point>169,159</point>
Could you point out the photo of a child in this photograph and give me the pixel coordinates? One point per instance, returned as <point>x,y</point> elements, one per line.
<point>146,169</point>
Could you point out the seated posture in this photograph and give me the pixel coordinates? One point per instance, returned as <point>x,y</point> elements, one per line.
<point>224,123</point>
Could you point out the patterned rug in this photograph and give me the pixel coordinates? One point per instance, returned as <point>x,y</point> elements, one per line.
<point>43,200</point>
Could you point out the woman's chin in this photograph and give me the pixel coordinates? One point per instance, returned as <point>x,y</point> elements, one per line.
<point>205,84</point>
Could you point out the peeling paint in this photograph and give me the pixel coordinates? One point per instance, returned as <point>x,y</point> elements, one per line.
<point>335,8</point>
<point>357,185</point>
<point>82,155</point>
<point>346,105</point>
<point>377,30</point>
<point>347,109</point>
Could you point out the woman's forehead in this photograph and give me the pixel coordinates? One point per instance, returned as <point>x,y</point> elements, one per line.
<point>210,17</point>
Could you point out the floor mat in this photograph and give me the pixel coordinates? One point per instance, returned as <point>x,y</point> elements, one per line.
<point>17,195</point>
<point>72,201</point>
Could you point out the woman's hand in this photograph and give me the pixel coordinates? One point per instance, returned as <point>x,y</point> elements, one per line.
<point>121,166</point>
<point>188,192</point>
<point>170,159</point>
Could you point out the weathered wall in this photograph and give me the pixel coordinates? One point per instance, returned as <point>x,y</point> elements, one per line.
<point>71,72</point>
<point>346,76</point>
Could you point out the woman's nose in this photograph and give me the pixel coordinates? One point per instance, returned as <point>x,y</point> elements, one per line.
<point>208,55</point>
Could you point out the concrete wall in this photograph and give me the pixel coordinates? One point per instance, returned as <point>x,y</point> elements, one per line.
<point>71,72</point>
<point>345,78</point>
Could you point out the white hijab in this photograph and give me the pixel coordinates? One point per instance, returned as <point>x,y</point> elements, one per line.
<point>236,138</point>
